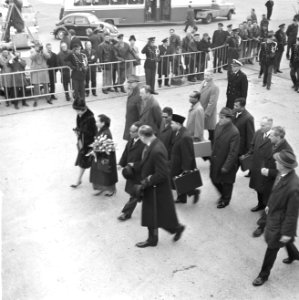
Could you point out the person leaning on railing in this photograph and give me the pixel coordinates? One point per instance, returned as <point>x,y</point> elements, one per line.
<point>39,57</point>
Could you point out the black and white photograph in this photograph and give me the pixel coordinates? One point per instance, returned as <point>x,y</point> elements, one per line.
<point>149,149</point>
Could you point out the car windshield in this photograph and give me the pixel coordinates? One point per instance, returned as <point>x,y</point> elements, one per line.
<point>93,19</point>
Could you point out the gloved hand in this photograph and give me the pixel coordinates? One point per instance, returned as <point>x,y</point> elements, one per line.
<point>138,191</point>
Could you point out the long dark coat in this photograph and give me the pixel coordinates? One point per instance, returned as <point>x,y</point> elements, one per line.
<point>103,172</point>
<point>86,130</point>
<point>237,87</point>
<point>166,136</point>
<point>245,124</point>
<point>164,62</point>
<point>155,166</point>
<point>133,110</point>
<point>151,114</point>
<point>182,155</point>
<point>261,150</point>
<point>132,154</point>
<point>270,164</point>
<point>63,60</point>
<point>283,210</point>
<point>225,153</point>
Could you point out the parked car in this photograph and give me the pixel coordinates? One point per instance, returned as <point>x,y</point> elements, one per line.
<point>80,22</point>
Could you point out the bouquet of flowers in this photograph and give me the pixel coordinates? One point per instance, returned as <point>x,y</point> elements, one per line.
<point>101,144</point>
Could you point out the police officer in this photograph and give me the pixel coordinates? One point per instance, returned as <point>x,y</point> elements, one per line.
<point>267,58</point>
<point>281,39</point>
<point>237,85</point>
<point>150,65</point>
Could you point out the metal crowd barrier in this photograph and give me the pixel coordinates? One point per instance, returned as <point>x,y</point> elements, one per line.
<point>33,84</point>
<point>29,84</point>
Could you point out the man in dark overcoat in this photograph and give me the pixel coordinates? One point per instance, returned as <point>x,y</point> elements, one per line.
<point>269,171</point>
<point>224,158</point>
<point>218,40</point>
<point>166,134</point>
<point>131,155</point>
<point>182,157</point>
<point>150,65</point>
<point>244,121</point>
<point>282,215</point>
<point>52,62</point>
<point>281,39</point>
<point>158,210</point>
<point>151,113</point>
<point>134,104</point>
<point>164,62</point>
<point>237,85</point>
<point>174,41</point>
<point>269,4</point>
<point>261,151</point>
<point>292,32</point>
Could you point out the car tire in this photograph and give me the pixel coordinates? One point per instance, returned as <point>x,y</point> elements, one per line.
<point>60,33</point>
<point>110,21</point>
<point>208,19</point>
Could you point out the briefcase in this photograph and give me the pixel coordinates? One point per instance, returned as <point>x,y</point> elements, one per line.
<point>187,182</point>
<point>202,149</point>
<point>246,162</point>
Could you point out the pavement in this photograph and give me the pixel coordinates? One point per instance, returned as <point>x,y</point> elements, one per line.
<point>61,243</point>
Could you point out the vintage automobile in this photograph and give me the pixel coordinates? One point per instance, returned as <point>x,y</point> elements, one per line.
<point>80,22</point>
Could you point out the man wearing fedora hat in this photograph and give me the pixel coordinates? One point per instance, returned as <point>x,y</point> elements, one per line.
<point>282,215</point>
<point>267,58</point>
<point>237,85</point>
<point>224,158</point>
<point>134,104</point>
<point>131,155</point>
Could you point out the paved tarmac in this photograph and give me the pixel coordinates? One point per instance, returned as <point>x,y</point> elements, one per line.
<point>60,243</point>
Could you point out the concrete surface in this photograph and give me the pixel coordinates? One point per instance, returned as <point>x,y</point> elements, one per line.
<point>60,243</point>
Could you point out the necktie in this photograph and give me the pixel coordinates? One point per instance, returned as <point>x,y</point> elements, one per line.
<point>144,152</point>
<point>277,180</point>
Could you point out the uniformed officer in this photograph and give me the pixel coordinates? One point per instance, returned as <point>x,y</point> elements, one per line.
<point>237,85</point>
<point>164,61</point>
<point>267,58</point>
<point>281,39</point>
<point>150,65</point>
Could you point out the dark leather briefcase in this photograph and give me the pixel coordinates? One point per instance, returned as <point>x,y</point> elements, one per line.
<point>187,182</point>
<point>246,162</point>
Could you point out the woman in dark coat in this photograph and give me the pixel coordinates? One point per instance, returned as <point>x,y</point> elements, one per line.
<point>86,130</point>
<point>103,172</point>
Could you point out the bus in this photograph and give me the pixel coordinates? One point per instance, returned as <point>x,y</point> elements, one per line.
<point>141,12</point>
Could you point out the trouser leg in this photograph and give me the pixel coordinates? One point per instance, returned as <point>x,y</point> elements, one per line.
<point>211,135</point>
<point>265,71</point>
<point>269,259</point>
<point>269,76</point>
<point>159,78</point>
<point>87,79</point>
<point>292,251</point>
<point>260,198</point>
<point>93,77</point>
<point>227,190</point>
<point>152,234</point>
<point>130,206</point>
<point>261,222</point>
<point>219,187</point>
<point>147,76</point>
<point>293,76</point>
<point>153,79</point>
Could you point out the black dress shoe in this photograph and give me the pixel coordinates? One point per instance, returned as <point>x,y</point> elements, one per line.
<point>53,97</point>
<point>196,196</point>
<point>155,93</point>
<point>288,260</point>
<point>278,71</point>
<point>147,243</point>
<point>222,204</point>
<point>259,281</point>
<point>94,94</point>
<point>105,91</point>
<point>122,89</point>
<point>25,104</point>
<point>219,71</point>
<point>49,101</point>
<point>258,232</point>
<point>178,234</point>
<point>257,208</point>
<point>123,217</point>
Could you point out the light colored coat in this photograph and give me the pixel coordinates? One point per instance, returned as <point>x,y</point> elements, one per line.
<point>6,79</point>
<point>208,98</point>
<point>195,121</point>
<point>39,61</point>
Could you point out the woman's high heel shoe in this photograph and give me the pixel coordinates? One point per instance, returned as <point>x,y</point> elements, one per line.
<point>76,185</point>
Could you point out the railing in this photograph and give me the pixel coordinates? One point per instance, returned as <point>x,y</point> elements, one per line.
<point>31,84</point>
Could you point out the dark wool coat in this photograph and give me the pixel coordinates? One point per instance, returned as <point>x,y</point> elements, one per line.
<point>182,155</point>
<point>75,41</point>
<point>63,60</point>
<point>132,154</point>
<point>237,87</point>
<point>78,72</point>
<point>155,166</point>
<point>225,153</point>
<point>87,130</point>
<point>270,164</point>
<point>166,136</point>
<point>133,110</point>
<point>151,114</point>
<point>103,172</point>
<point>245,124</point>
<point>283,210</point>
<point>261,150</point>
